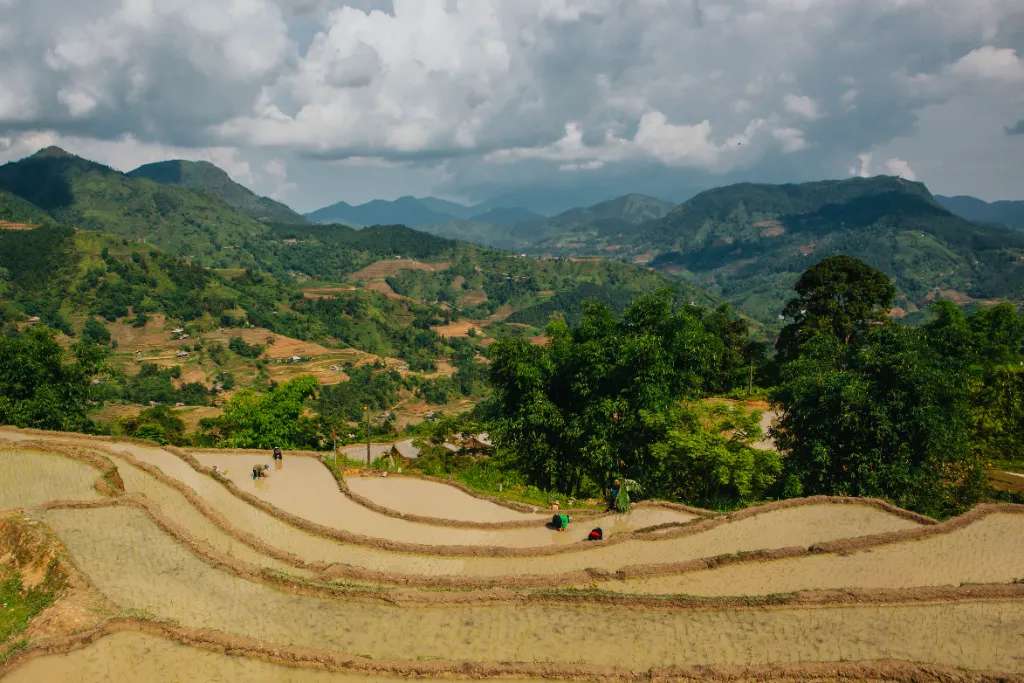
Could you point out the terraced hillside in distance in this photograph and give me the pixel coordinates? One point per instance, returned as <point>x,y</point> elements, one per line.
<point>136,560</point>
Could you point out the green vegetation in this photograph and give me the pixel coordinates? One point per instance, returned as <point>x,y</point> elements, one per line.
<point>600,400</point>
<point>19,606</point>
<point>180,221</point>
<point>263,420</point>
<point>748,243</point>
<point>872,408</point>
<point>38,388</point>
<point>156,424</point>
<point>203,176</point>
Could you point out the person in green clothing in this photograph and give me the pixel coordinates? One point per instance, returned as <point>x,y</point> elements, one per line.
<point>561,521</point>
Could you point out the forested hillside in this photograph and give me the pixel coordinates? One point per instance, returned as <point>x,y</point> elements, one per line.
<point>180,221</point>
<point>203,176</point>
<point>749,242</point>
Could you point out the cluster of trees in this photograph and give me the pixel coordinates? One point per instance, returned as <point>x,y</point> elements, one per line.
<point>867,406</point>
<point>871,407</point>
<point>40,386</point>
<point>605,399</point>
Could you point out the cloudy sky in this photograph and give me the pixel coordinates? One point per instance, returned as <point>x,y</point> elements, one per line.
<point>551,102</point>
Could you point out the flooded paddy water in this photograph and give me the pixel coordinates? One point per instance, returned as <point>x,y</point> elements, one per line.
<point>32,477</point>
<point>989,550</point>
<point>413,496</point>
<point>139,568</point>
<point>305,488</point>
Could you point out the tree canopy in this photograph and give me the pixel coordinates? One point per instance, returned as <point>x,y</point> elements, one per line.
<point>590,405</point>
<point>40,386</point>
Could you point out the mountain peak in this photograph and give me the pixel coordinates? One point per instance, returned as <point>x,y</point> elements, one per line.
<point>53,152</point>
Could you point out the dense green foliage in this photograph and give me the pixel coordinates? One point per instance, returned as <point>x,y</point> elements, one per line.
<point>369,387</point>
<point>153,384</point>
<point>841,297</point>
<point>88,195</point>
<point>156,424</point>
<point>872,408</point>
<point>40,387</point>
<point>253,419</point>
<point>599,398</point>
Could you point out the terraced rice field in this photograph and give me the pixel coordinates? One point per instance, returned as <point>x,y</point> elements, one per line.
<point>182,573</point>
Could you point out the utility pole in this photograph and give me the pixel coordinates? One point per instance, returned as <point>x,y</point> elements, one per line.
<point>366,411</point>
<point>750,380</point>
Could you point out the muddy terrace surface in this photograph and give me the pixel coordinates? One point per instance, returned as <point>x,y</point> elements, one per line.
<point>304,487</point>
<point>227,579</point>
<point>413,496</point>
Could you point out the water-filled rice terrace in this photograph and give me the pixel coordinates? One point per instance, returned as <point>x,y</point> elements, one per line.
<point>177,565</point>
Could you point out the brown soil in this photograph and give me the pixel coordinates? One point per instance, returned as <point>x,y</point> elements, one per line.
<point>460,328</point>
<point>161,577</point>
<point>382,269</point>
<point>325,292</point>
<point>382,287</point>
<point>281,346</point>
<point>8,225</point>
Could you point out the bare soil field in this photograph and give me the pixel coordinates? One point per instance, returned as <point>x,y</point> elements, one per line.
<point>386,267</point>
<point>32,477</point>
<point>202,578</point>
<point>279,346</point>
<point>460,328</point>
<point>988,550</point>
<point>136,656</point>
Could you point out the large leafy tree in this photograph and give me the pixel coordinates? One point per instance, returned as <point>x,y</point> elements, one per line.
<point>872,408</point>
<point>253,419</point>
<point>987,347</point>
<point>40,386</point>
<point>841,296</point>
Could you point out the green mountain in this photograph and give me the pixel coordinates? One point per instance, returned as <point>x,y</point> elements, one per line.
<point>1004,212</point>
<point>206,177</point>
<point>91,196</point>
<point>749,242</point>
<point>751,246</point>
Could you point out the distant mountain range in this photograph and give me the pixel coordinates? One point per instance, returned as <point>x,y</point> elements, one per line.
<point>1006,212</point>
<point>502,227</point>
<point>419,212</point>
<point>745,243</point>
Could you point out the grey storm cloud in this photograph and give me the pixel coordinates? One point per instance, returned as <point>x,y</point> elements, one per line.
<point>487,97</point>
<point>1016,129</point>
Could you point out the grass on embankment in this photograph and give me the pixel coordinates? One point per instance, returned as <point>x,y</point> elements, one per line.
<point>481,474</point>
<point>19,606</point>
